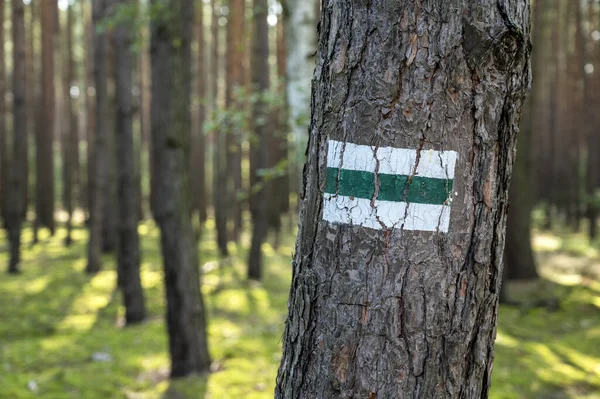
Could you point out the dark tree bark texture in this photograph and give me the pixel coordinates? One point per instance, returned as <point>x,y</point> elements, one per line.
<point>171,59</point>
<point>406,308</point>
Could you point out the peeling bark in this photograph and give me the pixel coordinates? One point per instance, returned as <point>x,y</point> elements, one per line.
<point>394,313</point>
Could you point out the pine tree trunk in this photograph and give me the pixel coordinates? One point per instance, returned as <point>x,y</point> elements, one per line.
<point>90,104</point>
<point>109,226</point>
<point>198,159</point>
<point>69,143</point>
<point>220,155</point>
<point>4,161</point>
<point>399,253</point>
<point>234,81</point>
<point>259,144</point>
<point>171,74</point>
<point>98,160</point>
<point>16,185</point>
<point>128,253</point>
<point>45,139</point>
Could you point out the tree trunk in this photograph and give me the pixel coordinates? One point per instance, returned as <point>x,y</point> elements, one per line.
<point>220,155</point>
<point>4,161</point>
<point>70,129</point>
<point>128,254</point>
<point>301,35</point>
<point>16,184</point>
<point>171,74</point>
<point>109,226</point>
<point>145,101</point>
<point>45,140</point>
<point>90,103</point>
<point>98,161</point>
<point>399,253</point>
<point>234,81</point>
<point>259,144</point>
<point>198,159</point>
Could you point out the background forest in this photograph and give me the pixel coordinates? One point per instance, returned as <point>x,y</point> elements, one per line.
<point>151,156</point>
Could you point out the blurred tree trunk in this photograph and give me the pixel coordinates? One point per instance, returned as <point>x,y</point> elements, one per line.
<point>198,158</point>
<point>128,254</point>
<point>31,57</point>
<point>592,99</point>
<point>400,301</point>
<point>220,156</point>
<point>145,101</point>
<point>45,140</point>
<point>89,91</point>
<point>519,261</point>
<point>301,36</point>
<point>4,161</point>
<point>259,152</point>
<point>109,226</point>
<point>278,188</point>
<point>171,34</point>
<point>70,128</point>
<point>234,81</point>
<point>16,185</point>
<point>98,161</point>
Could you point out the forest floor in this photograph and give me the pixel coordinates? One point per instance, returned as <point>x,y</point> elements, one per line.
<point>61,333</point>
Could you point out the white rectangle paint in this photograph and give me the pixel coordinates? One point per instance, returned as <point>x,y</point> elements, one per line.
<point>393,161</point>
<point>381,215</point>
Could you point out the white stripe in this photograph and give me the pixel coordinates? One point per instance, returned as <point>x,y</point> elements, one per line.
<point>393,161</point>
<point>385,214</point>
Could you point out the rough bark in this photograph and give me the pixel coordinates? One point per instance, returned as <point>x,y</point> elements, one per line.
<point>234,80</point>
<point>44,151</point>
<point>171,60</point>
<point>16,185</point>
<point>128,252</point>
<point>395,312</point>
<point>220,155</point>
<point>259,144</point>
<point>98,178</point>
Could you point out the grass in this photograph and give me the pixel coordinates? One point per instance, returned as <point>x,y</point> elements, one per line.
<point>61,333</point>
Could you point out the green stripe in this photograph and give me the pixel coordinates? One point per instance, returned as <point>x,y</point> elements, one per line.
<point>360,184</point>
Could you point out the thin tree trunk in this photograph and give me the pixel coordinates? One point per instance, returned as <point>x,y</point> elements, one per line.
<point>259,144</point>
<point>234,125</point>
<point>220,155</point>
<point>4,161</point>
<point>398,261</point>
<point>45,139</point>
<point>70,129</point>
<point>90,103</point>
<point>98,180</point>
<point>16,185</point>
<point>171,74</point>
<point>128,254</point>
<point>198,159</point>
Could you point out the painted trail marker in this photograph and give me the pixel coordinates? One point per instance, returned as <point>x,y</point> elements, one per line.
<point>373,187</point>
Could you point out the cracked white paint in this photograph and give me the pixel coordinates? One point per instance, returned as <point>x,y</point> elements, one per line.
<point>393,161</point>
<point>378,214</point>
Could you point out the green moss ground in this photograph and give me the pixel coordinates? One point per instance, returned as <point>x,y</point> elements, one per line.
<point>54,318</point>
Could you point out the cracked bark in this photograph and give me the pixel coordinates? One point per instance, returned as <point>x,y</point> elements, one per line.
<point>397,313</point>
